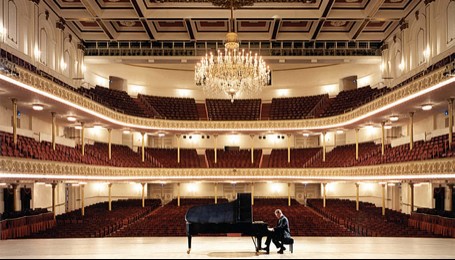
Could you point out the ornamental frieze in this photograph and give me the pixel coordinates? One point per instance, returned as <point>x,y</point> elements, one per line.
<point>23,168</point>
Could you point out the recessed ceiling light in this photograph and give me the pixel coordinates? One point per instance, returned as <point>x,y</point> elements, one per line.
<point>38,107</point>
<point>97,127</point>
<point>78,127</point>
<point>71,119</point>
<point>388,127</point>
<point>306,134</point>
<point>127,132</point>
<point>394,118</point>
<point>161,135</point>
<point>339,132</point>
<point>427,107</point>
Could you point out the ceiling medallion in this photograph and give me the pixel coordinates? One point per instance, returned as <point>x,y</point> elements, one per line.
<point>236,4</point>
<point>233,73</point>
<point>128,23</point>
<point>338,23</point>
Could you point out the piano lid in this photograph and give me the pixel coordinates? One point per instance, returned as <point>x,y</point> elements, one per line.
<point>238,211</point>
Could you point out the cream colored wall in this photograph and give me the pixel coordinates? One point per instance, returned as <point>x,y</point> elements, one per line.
<point>102,135</point>
<point>432,19</point>
<point>42,197</point>
<point>397,196</point>
<point>244,141</point>
<point>6,112</point>
<point>369,192</point>
<point>365,135</point>
<point>178,81</point>
<point>423,196</point>
<point>198,189</point>
<point>95,192</point>
<point>26,44</point>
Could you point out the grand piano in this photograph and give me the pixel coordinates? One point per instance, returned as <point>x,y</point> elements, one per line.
<point>233,217</point>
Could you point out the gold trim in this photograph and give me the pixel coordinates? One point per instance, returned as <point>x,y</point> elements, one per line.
<point>17,169</point>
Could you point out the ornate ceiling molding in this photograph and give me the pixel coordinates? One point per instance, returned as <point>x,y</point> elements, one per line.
<point>26,169</point>
<point>42,86</point>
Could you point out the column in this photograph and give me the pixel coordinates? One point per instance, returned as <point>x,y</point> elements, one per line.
<point>143,147</point>
<point>252,149</point>
<point>54,186</point>
<point>450,197</point>
<point>178,194</point>
<point>289,194</point>
<point>411,186</point>
<point>53,129</point>
<point>357,196</point>
<point>324,185</point>
<point>252,194</point>
<point>110,143</point>
<point>450,122</point>
<point>178,149</point>
<point>357,144</point>
<point>411,130</point>
<point>15,197</point>
<point>216,193</point>
<point>383,198</point>
<point>14,103</point>
<point>289,148</point>
<point>383,138</point>
<point>216,140</point>
<point>110,196</point>
<point>83,138</point>
<point>143,195</point>
<point>83,199</point>
<point>323,146</point>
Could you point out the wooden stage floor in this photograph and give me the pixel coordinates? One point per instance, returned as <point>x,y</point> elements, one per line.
<point>227,247</point>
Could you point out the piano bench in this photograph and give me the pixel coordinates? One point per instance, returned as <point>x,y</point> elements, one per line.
<point>290,242</point>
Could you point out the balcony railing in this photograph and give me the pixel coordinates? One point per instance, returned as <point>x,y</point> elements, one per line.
<point>266,49</point>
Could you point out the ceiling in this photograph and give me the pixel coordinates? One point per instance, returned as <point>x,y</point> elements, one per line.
<point>200,20</point>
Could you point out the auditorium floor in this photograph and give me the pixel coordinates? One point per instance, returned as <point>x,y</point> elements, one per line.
<point>227,247</point>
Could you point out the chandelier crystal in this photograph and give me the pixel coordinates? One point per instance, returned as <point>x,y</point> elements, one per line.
<point>232,73</point>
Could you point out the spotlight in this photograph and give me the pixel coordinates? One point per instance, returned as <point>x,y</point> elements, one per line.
<point>71,119</point>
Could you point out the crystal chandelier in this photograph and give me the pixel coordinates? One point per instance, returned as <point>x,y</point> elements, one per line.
<point>232,73</point>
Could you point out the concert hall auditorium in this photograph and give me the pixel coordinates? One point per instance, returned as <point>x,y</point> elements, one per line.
<point>174,129</point>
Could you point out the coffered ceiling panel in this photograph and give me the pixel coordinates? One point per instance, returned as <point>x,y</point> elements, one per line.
<point>200,20</point>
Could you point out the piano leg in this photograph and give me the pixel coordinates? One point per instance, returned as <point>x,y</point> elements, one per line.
<point>189,244</point>
<point>257,243</point>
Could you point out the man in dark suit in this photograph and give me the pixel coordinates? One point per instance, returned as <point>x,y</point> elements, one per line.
<point>278,233</point>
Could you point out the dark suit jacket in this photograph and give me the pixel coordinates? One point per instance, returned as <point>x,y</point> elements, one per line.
<point>282,229</point>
